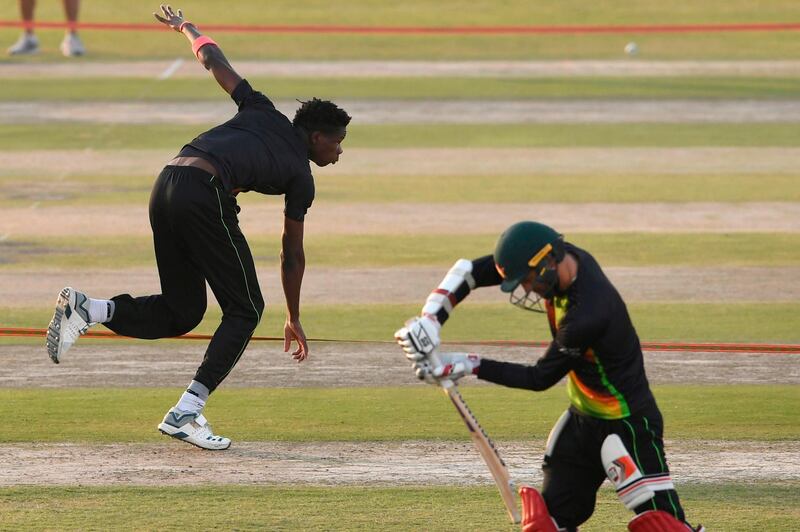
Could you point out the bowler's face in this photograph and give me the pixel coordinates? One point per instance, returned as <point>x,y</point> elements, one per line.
<point>326,148</point>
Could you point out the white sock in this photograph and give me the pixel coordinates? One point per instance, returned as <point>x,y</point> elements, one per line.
<point>194,398</point>
<point>100,310</point>
<point>190,403</point>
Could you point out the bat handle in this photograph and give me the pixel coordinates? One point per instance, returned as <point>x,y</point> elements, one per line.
<point>433,358</point>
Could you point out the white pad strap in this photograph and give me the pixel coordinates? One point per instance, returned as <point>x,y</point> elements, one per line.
<point>555,432</point>
<point>632,488</point>
<point>454,287</point>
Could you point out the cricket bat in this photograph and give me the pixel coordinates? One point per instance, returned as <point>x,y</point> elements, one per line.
<point>485,447</point>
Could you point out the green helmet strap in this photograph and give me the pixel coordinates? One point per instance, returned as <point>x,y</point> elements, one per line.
<point>547,275</point>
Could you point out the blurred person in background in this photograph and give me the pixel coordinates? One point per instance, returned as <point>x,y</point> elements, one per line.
<point>28,43</point>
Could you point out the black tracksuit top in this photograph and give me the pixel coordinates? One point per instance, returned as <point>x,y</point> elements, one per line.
<point>259,149</point>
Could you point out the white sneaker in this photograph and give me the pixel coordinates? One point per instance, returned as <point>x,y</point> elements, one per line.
<point>70,321</point>
<point>72,46</point>
<point>27,44</point>
<point>193,428</point>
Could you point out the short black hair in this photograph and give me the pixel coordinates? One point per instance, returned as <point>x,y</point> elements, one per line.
<point>320,115</point>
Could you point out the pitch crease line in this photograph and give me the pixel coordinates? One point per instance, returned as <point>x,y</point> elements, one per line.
<point>171,69</point>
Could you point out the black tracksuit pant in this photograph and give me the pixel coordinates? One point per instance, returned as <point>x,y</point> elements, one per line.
<point>573,469</point>
<point>197,239</point>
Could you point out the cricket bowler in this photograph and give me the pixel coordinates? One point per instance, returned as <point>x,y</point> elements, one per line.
<point>613,427</point>
<point>197,239</point>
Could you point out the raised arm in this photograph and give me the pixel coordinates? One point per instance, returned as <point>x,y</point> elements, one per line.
<point>421,333</point>
<point>206,50</point>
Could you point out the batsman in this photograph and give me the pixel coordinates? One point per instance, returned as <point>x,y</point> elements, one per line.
<point>613,427</point>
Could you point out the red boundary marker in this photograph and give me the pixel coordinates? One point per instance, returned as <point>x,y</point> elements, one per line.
<point>647,346</point>
<point>429,30</point>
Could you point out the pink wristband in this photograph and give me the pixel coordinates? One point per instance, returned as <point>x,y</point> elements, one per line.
<point>184,23</point>
<point>200,42</point>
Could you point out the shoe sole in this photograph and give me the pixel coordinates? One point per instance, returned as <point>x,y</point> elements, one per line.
<point>163,428</point>
<point>54,329</point>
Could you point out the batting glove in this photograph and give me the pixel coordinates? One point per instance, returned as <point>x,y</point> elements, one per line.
<point>419,337</point>
<point>449,366</point>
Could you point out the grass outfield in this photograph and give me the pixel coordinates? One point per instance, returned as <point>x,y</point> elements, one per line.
<point>694,412</point>
<point>443,12</point>
<point>610,249</point>
<point>71,136</point>
<point>420,88</point>
<point>369,190</point>
<point>760,413</point>
<point>763,507</point>
<point>567,135</point>
<point>738,45</point>
<point>570,188</point>
<point>80,190</point>
<point>679,322</point>
<point>115,46</point>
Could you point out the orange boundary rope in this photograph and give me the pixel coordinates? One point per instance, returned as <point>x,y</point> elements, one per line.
<point>427,30</point>
<point>27,332</point>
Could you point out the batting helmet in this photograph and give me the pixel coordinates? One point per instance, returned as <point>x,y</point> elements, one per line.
<point>523,246</point>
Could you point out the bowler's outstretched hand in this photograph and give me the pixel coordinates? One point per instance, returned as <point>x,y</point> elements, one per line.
<point>170,18</point>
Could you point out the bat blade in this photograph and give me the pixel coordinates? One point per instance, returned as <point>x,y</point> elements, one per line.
<point>497,467</point>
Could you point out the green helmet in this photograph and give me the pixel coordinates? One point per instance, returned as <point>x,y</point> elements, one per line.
<point>522,247</point>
